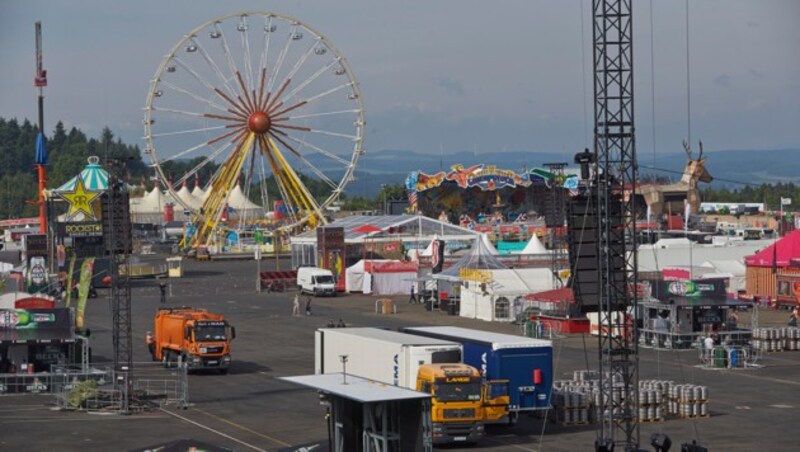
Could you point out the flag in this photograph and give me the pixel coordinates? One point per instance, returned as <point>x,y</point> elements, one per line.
<point>687,212</point>
<point>786,201</point>
<point>40,158</point>
<point>83,291</point>
<point>437,257</point>
<point>412,201</point>
<point>649,215</point>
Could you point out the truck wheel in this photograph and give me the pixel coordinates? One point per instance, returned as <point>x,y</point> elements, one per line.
<point>512,419</point>
<point>223,371</point>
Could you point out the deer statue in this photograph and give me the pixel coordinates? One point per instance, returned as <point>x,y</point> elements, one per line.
<point>670,198</point>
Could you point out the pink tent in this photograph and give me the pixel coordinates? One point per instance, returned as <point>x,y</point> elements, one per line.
<point>781,252</point>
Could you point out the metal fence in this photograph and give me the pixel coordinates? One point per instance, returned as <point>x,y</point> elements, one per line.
<point>94,388</point>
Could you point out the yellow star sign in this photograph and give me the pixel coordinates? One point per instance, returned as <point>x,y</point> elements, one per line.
<point>80,200</point>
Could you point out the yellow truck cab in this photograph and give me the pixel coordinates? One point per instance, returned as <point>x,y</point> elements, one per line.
<point>456,403</point>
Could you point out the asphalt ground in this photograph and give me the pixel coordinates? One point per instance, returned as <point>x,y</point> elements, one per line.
<point>250,409</point>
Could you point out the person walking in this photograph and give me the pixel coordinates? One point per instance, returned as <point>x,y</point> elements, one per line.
<point>308,305</point>
<point>413,297</point>
<point>150,340</point>
<point>296,305</point>
<point>793,317</point>
<point>162,286</point>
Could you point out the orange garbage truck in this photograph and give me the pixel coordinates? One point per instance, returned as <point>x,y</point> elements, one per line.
<point>195,336</point>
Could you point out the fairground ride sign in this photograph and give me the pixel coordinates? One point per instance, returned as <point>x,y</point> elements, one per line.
<point>474,274</point>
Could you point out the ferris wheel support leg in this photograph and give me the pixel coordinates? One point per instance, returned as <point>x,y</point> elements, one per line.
<point>307,199</point>
<point>221,189</point>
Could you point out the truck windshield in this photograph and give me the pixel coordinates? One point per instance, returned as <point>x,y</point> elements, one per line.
<point>209,333</point>
<point>324,279</point>
<point>457,392</point>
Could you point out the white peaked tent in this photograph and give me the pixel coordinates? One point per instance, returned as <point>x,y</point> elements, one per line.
<point>534,246</point>
<point>188,198</point>
<point>150,207</point>
<point>495,301</point>
<point>481,256</point>
<point>198,192</point>
<point>489,247</point>
<point>243,206</point>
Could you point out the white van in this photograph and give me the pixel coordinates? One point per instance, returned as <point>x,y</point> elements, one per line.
<point>316,281</point>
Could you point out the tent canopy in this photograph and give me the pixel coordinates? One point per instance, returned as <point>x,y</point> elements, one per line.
<point>779,253</point>
<point>534,246</point>
<point>480,257</point>
<point>95,178</point>
<point>405,228</point>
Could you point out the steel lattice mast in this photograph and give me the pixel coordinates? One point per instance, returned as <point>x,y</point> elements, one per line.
<point>615,152</point>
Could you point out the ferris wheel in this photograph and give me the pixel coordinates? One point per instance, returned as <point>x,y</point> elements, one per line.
<point>255,96</point>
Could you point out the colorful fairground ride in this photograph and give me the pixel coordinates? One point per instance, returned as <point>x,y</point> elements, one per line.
<point>485,194</point>
<point>255,95</point>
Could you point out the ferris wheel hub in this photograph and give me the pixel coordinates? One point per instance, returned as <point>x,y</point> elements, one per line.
<point>259,122</point>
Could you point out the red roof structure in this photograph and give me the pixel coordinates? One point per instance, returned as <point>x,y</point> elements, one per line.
<point>781,252</point>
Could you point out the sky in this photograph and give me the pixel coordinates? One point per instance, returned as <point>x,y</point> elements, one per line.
<point>443,76</point>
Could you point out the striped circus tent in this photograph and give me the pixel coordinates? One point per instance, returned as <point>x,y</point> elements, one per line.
<point>95,178</point>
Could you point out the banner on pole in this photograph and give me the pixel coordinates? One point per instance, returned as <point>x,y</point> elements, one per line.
<point>83,291</point>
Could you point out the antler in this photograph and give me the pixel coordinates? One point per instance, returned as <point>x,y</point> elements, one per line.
<point>701,150</point>
<point>687,149</point>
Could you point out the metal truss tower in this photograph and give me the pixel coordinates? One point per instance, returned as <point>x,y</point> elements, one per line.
<point>558,252</point>
<point>117,240</point>
<point>615,152</point>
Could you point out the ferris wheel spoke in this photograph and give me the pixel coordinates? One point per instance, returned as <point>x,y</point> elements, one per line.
<point>250,104</point>
<point>192,95</point>
<point>194,74</point>
<point>236,105</point>
<point>226,50</point>
<point>224,118</point>
<point>316,115</point>
<point>302,59</point>
<point>287,126</point>
<point>277,96</point>
<point>313,77</point>
<point>214,66</point>
<point>205,161</point>
<point>240,130</point>
<point>329,92</point>
<point>246,50</point>
<point>179,112</point>
<point>261,102</point>
<point>185,152</point>
<point>268,29</point>
<point>281,57</point>
<point>331,134</point>
<point>319,150</point>
<point>285,110</point>
<point>187,131</point>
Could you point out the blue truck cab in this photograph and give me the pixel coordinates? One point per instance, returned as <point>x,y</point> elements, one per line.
<point>526,363</point>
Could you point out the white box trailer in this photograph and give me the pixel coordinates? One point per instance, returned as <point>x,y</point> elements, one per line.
<point>381,355</point>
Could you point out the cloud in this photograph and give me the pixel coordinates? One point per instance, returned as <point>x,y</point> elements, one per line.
<point>723,80</point>
<point>450,86</point>
<point>755,73</point>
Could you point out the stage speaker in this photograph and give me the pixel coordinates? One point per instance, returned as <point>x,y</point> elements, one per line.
<point>584,251</point>
<point>585,244</point>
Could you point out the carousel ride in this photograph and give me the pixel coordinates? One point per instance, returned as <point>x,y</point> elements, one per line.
<point>255,96</point>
